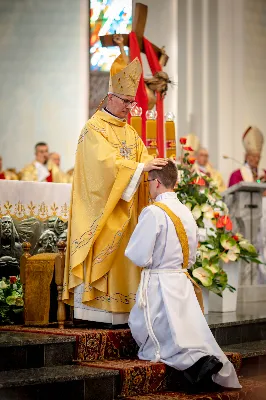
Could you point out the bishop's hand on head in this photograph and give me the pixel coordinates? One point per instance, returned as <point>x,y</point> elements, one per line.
<point>156,163</point>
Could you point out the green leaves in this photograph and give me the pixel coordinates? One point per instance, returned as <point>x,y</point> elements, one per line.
<point>246,245</point>
<point>11,300</point>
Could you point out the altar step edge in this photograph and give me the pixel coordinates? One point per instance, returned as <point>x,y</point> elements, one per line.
<point>68,382</point>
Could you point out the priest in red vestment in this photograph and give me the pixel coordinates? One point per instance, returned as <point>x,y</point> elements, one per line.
<point>250,172</point>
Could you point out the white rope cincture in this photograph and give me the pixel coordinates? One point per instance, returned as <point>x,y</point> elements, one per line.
<point>143,303</point>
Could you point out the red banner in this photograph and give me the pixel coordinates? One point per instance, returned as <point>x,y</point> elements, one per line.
<point>141,96</point>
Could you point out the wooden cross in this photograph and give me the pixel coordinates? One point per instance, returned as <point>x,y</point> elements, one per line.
<point>138,26</point>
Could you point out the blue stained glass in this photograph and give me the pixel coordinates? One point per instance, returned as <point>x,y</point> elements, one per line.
<point>107,17</point>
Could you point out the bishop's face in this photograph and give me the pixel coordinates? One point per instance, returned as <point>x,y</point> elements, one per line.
<point>253,159</point>
<point>120,105</point>
<point>202,157</point>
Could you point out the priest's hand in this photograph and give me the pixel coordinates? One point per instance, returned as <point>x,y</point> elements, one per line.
<point>156,163</point>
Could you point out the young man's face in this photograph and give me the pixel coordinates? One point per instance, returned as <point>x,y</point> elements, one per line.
<point>120,105</point>
<point>154,185</point>
<point>42,154</point>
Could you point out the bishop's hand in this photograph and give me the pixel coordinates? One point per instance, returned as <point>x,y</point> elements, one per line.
<point>156,163</point>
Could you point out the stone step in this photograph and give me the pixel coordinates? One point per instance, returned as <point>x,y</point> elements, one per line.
<point>137,377</point>
<point>251,390</point>
<point>66,382</point>
<point>118,343</point>
<point>31,350</point>
<point>253,357</point>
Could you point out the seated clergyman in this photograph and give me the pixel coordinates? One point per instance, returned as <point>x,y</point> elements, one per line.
<point>167,321</point>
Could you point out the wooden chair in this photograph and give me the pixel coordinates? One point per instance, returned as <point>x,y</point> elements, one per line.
<point>36,273</point>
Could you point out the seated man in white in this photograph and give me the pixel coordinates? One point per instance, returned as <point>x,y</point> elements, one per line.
<point>167,321</point>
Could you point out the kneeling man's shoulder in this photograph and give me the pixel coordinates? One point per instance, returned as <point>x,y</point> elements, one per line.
<point>150,211</point>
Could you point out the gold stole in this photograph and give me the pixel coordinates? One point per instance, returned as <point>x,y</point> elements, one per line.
<point>182,236</point>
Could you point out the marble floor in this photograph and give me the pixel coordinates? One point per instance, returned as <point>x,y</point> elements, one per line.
<point>246,312</point>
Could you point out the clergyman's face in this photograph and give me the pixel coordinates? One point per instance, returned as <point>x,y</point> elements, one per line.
<point>202,157</point>
<point>42,154</point>
<point>120,105</point>
<point>253,159</point>
<point>55,158</point>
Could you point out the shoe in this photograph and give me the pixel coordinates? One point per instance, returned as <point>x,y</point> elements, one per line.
<point>199,376</point>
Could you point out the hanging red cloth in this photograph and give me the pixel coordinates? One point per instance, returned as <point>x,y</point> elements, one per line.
<point>155,66</point>
<point>141,96</point>
<point>2,175</point>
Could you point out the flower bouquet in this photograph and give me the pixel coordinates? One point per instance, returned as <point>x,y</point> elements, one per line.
<point>11,300</point>
<point>218,243</point>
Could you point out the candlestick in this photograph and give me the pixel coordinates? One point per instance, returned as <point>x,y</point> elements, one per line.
<point>170,136</point>
<point>136,120</point>
<point>151,132</point>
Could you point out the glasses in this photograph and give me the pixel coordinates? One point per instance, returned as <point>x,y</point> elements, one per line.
<point>128,103</point>
<point>150,180</point>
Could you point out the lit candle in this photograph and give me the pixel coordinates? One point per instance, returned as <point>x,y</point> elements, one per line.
<point>136,120</point>
<point>170,135</point>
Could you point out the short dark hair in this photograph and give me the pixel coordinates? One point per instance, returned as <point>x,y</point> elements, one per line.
<point>167,175</point>
<point>40,144</point>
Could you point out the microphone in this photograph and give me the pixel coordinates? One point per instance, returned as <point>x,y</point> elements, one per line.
<point>233,159</point>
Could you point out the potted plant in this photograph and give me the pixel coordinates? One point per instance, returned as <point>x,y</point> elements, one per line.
<point>219,248</point>
<point>11,301</point>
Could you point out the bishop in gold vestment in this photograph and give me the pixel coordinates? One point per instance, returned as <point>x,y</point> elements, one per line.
<point>108,193</point>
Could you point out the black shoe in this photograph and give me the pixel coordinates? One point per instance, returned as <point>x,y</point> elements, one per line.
<point>199,375</point>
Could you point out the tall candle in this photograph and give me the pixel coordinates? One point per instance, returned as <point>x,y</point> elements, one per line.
<point>136,123</point>
<point>151,132</point>
<point>170,135</point>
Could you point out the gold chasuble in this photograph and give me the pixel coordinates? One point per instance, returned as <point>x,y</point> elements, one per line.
<point>101,222</point>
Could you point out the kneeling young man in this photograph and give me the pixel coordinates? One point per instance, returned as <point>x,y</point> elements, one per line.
<point>167,321</point>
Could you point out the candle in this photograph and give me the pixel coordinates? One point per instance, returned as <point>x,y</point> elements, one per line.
<point>136,123</point>
<point>151,132</point>
<point>170,135</point>
<point>136,120</point>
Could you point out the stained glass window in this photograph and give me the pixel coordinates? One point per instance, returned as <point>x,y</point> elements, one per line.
<point>107,17</point>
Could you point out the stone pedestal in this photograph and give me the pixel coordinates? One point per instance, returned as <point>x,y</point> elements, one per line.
<point>244,201</point>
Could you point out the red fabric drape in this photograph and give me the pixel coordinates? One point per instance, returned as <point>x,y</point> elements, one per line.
<point>50,177</point>
<point>141,96</point>
<point>155,67</point>
<point>2,175</point>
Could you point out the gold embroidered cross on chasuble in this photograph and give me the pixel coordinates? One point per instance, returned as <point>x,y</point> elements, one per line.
<point>101,222</point>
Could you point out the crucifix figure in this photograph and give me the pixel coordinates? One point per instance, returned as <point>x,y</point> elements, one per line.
<point>138,26</point>
<point>158,83</point>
